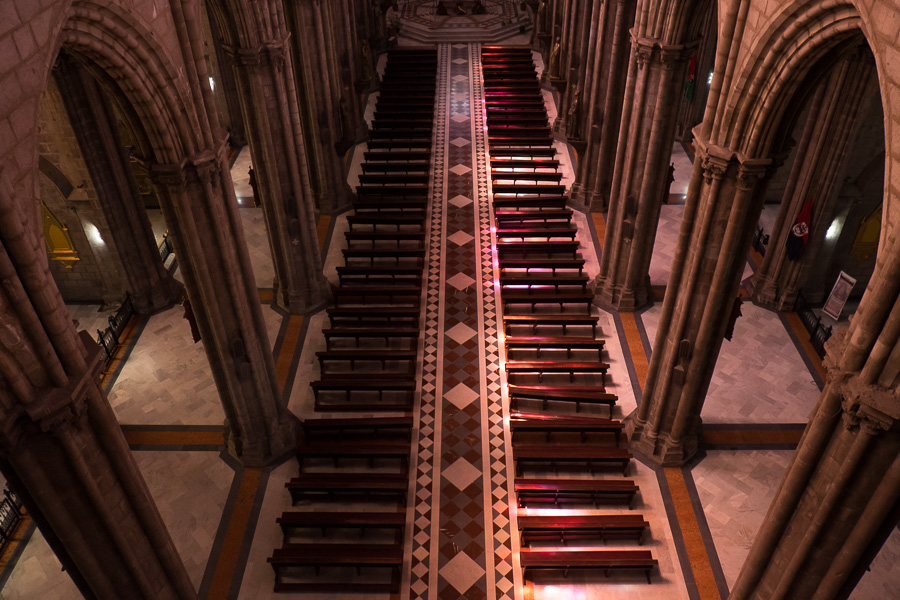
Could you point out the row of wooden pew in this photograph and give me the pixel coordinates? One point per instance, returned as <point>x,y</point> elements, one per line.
<point>554,359</point>
<point>358,466</point>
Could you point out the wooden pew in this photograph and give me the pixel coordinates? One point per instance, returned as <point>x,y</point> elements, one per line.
<point>359,333</point>
<point>534,202</point>
<point>394,218</point>
<point>394,167</point>
<point>550,424</point>
<point>293,520</point>
<point>498,176</point>
<point>365,355</point>
<point>348,486</point>
<point>415,143</point>
<point>379,274</point>
<point>560,297</point>
<point>398,156</point>
<point>581,491</point>
<point>543,279</point>
<point>594,560</point>
<point>553,264</point>
<point>604,456</point>
<point>371,254</point>
<point>548,249</point>
<point>377,294</point>
<point>337,555</point>
<point>375,427</point>
<point>543,367</point>
<point>394,179</point>
<point>540,343</point>
<point>396,451</point>
<point>514,218</point>
<point>529,190</point>
<point>563,528</point>
<point>536,231</point>
<point>413,239</point>
<point>400,392</point>
<point>561,320</point>
<point>519,150</point>
<point>390,315</point>
<point>562,393</point>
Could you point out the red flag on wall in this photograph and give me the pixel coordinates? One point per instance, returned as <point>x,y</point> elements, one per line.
<point>799,234</point>
<point>690,82</point>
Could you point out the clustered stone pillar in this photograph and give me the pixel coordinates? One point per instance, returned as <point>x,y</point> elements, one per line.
<point>59,438</point>
<point>709,260</point>
<point>815,175</point>
<point>325,119</point>
<point>603,94</point>
<point>151,286</point>
<point>198,199</point>
<point>640,175</point>
<point>271,108</point>
<point>839,498</point>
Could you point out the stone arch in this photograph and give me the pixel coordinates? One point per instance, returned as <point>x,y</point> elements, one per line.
<point>147,77</point>
<point>776,67</point>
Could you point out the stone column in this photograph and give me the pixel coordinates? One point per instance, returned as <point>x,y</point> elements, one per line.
<point>816,175</point>
<point>207,232</point>
<point>59,439</point>
<point>639,178</point>
<point>151,287</point>
<point>319,108</point>
<point>265,84</point>
<point>838,500</point>
<point>602,114</point>
<point>228,86</point>
<point>572,103</point>
<point>709,260</point>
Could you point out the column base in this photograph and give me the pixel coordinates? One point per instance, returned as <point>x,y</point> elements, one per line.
<point>577,196</point>
<point>267,450</point>
<point>162,296</point>
<point>307,301</point>
<point>662,452</point>
<point>623,299</point>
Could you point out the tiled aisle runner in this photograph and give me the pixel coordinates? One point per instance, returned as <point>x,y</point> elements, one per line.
<point>461,529</point>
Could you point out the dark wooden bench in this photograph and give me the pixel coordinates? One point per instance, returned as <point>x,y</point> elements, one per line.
<point>515,151</point>
<point>543,279</point>
<point>388,191</point>
<point>562,393</point>
<point>540,231</point>
<point>511,140</point>
<point>396,254</point>
<point>385,236</point>
<point>397,156</point>
<point>395,218</point>
<point>530,190</point>
<point>550,424</point>
<point>539,343</point>
<point>542,367</point>
<point>379,274</point>
<point>561,297</point>
<point>593,491</point>
<point>374,426</point>
<point>595,560</point>
<point>356,450</point>
<point>365,355</point>
<point>605,456</point>
<point>395,167</point>
<point>537,202</point>
<point>377,294</point>
<point>553,264</point>
<point>497,176</point>
<point>564,321</point>
<point>389,315</point>
<point>292,520</point>
<point>395,178</point>
<point>356,395</point>
<point>400,143</point>
<point>529,103</point>
<point>563,528</point>
<point>521,218</point>
<point>348,486</point>
<point>523,249</point>
<point>359,333</point>
<point>386,204</point>
<point>337,555</point>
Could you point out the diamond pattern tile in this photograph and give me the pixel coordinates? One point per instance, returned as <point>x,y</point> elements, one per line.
<point>460,169</point>
<point>460,238</point>
<point>461,572</point>
<point>460,281</point>
<point>461,395</point>
<point>459,118</point>
<point>460,333</point>
<point>461,473</point>
<point>460,142</point>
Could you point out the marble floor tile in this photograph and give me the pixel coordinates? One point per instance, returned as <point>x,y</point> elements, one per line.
<point>257,238</point>
<point>38,574</point>
<point>190,490</point>
<point>683,167</point>
<point>759,375</point>
<point>166,379</point>
<point>665,242</point>
<point>735,489</point>
<point>240,175</point>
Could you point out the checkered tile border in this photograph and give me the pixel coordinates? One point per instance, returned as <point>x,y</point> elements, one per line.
<point>420,576</point>
<point>497,436</point>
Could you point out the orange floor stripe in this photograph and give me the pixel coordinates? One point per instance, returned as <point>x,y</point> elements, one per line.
<point>690,532</point>
<point>599,227</point>
<point>803,335</point>
<point>322,230</point>
<point>288,346</point>
<point>266,295</point>
<point>750,436</point>
<point>635,347</point>
<point>174,438</point>
<point>234,535</point>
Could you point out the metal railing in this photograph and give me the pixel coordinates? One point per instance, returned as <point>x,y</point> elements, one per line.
<point>10,515</point>
<point>109,338</point>
<point>818,333</point>
<point>760,240</point>
<point>165,247</point>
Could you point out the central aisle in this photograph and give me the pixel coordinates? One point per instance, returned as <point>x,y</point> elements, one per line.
<point>461,535</point>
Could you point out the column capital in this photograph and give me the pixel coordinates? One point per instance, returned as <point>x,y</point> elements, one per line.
<point>266,52</point>
<point>867,405</point>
